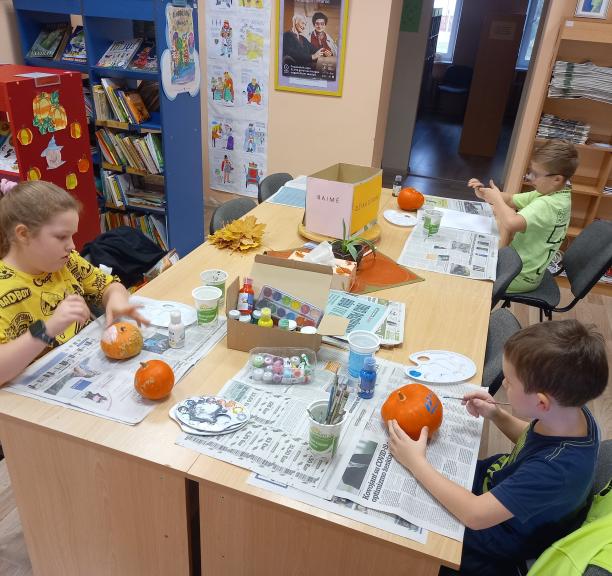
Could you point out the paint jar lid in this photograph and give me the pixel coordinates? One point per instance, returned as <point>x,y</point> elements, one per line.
<point>233,314</point>
<point>308,330</point>
<point>245,318</point>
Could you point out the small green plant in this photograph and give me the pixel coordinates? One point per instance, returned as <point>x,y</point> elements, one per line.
<point>352,244</point>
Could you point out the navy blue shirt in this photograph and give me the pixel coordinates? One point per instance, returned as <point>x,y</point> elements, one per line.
<point>545,482</point>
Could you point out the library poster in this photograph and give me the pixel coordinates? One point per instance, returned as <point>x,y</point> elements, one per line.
<point>180,66</point>
<point>310,46</point>
<point>237,69</point>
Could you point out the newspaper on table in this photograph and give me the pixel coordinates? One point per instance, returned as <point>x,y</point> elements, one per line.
<point>274,445</point>
<point>363,313</point>
<point>451,251</point>
<point>467,206</point>
<point>80,376</point>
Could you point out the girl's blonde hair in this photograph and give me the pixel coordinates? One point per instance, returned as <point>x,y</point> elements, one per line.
<point>32,204</point>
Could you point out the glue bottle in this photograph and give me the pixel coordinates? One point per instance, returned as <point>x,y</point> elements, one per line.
<point>367,378</point>
<point>246,297</point>
<point>176,330</point>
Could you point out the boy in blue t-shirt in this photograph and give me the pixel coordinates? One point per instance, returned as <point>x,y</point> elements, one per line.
<point>523,501</point>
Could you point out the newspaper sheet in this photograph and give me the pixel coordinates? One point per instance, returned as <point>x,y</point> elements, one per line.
<point>362,312</point>
<point>79,375</point>
<point>467,206</point>
<point>345,507</point>
<point>451,251</point>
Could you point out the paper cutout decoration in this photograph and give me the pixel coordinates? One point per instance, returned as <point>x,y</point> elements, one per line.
<point>71,181</point>
<point>75,130</point>
<point>49,114</point>
<point>53,154</point>
<point>83,165</point>
<point>34,173</point>
<point>25,136</point>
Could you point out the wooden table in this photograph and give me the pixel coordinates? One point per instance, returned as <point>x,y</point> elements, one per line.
<point>101,498</point>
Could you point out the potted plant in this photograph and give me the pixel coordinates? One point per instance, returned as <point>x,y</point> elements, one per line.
<point>352,248</point>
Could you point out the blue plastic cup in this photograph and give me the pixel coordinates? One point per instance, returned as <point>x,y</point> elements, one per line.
<point>362,344</point>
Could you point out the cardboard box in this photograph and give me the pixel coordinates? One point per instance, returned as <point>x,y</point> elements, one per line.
<point>303,280</point>
<point>342,192</point>
<point>344,271</point>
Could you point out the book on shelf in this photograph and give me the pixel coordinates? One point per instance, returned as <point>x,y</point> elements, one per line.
<point>119,53</point>
<point>48,41</point>
<point>126,105</point>
<point>75,50</point>
<point>150,225</point>
<point>136,106</point>
<point>149,92</point>
<point>145,58</point>
<point>101,103</point>
<point>142,153</point>
<point>132,191</point>
<point>110,88</point>
<point>87,98</point>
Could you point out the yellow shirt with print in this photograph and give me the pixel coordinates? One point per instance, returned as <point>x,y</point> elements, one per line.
<point>25,298</point>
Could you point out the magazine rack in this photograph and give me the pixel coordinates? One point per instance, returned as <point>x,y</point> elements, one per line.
<point>178,120</point>
<point>48,129</point>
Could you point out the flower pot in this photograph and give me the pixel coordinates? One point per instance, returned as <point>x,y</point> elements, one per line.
<point>362,250</point>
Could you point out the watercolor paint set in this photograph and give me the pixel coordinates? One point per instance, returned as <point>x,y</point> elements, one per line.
<point>283,305</point>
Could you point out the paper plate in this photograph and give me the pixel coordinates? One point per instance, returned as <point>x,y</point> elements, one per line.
<point>194,431</point>
<point>440,367</point>
<point>159,313</point>
<point>400,218</point>
<point>211,414</point>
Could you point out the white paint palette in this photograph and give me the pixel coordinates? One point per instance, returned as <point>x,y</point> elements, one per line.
<point>400,218</point>
<point>158,313</point>
<point>440,367</point>
<point>210,415</point>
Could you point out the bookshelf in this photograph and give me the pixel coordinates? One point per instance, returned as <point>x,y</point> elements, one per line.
<point>579,41</point>
<point>176,123</point>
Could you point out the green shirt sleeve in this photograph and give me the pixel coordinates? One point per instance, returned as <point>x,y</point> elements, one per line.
<point>524,198</point>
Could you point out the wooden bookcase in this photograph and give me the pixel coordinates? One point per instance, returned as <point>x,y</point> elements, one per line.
<point>580,41</point>
<point>178,120</point>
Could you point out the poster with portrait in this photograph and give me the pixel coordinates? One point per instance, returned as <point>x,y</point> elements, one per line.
<point>238,54</point>
<point>310,46</point>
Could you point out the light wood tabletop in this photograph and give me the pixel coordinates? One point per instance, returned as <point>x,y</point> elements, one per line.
<point>443,312</point>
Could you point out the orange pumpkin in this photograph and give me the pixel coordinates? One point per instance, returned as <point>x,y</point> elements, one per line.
<point>83,165</point>
<point>413,406</point>
<point>410,199</point>
<point>121,340</point>
<point>60,119</point>
<point>154,379</point>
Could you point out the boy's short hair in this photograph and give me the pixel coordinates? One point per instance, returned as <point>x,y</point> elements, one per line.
<point>564,359</point>
<point>557,156</point>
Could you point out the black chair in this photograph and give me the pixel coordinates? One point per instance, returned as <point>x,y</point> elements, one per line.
<point>502,325</point>
<point>584,262</point>
<point>270,185</point>
<point>229,211</point>
<point>509,264</point>
<point>456,81</point>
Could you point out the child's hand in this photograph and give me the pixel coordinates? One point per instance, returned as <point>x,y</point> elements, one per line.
<point>480,403</point>
<point>114,312</point>
<point>71,309</point>
<point>491,194</point>
<point>404,449</point>
<point>476,185</point>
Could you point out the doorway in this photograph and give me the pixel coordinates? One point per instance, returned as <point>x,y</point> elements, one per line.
<point>440,162</point>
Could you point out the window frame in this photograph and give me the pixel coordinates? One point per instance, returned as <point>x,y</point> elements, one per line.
<point>449,54</point>
<point>521,62</point>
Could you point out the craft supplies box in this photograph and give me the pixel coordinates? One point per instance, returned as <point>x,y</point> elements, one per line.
<point>344,271</point>
<point>342,193</point>
<point>303,280</point>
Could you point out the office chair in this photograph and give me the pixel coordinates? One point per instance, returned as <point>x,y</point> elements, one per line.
<point>509,264</point>
<point>271,184</point>
<point>456,81</point>
<point>229,211</point>
<point>502,325</point>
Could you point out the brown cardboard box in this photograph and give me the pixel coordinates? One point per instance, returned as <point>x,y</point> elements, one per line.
<point>304,280</point>
<point>344,271</point>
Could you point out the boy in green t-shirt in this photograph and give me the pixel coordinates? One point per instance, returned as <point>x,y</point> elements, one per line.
<point>535,223</point>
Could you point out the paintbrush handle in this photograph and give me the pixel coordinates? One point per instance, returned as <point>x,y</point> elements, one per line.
<point>489,401</point>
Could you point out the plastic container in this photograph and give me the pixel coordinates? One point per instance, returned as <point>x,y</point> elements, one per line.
<point>362,345</point>
<point>282,365</point>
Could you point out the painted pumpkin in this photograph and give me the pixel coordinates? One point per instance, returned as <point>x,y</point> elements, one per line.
<point>413,406</point>
<point>71,181</point>
<point>25,136</point>
<point>83,165</point>
<point>34,173</point>
<point>410,199</point>
<point>121,340</point>
<point>60,120</point>
<point>154,379</point>
<point>75,130</point>
<point>41,105</point>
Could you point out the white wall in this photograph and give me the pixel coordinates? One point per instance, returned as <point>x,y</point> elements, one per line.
<point>9,35</point>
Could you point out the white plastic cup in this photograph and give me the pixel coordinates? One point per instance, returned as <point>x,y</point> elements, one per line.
<point>362,344</point>
<point>322,438</point>
<point>217,278</point>
<point>207,304</point>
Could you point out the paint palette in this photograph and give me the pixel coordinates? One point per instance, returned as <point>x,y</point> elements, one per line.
<point>400,218</point>
<point>209,415</point>
<point>283,305</point>
<point>158,312</point>
<point>440,367</point>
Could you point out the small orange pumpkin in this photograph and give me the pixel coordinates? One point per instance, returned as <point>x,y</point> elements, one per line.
<point>154,379</point>
<point>75,130</point>
<point>121,340</point>
<point>410,199</point>
<point>83,165</point>
<point>413,406</point>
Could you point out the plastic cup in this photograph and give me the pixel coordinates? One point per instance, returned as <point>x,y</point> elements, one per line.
<point>207,304</point>
<point>431,221</point>
<point>322,438</point>
<point>217,278</point>
<point>362,345</point>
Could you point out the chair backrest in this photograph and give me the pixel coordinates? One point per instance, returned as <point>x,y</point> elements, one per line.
<point>502,325</point>
<point>603,469</point>
<point>457,75</point>
<point>588,257</point>
<point>270,185</point>
<point>230,210</point>
<point>509,264</point>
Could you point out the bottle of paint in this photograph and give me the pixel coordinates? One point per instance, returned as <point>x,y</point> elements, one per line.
<point>245,318</point>
<point>255,316</point>
<point>265,321</point>
<point>367,378</point>
<point>233,315</point>
<point>397,185</point>
<point>176,330</point>
<point>246,297</point>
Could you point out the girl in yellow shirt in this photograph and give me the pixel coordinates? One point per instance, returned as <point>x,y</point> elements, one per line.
<point>45,286</point>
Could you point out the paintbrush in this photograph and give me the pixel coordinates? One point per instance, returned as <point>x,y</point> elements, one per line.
<point>488,401</point>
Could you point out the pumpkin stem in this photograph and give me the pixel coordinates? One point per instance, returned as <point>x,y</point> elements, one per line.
<point>401,396</point>
<point>143,364</point>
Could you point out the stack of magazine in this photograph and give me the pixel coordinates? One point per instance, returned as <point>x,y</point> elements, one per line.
<point>554,127</point>
<point>571,80</point>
